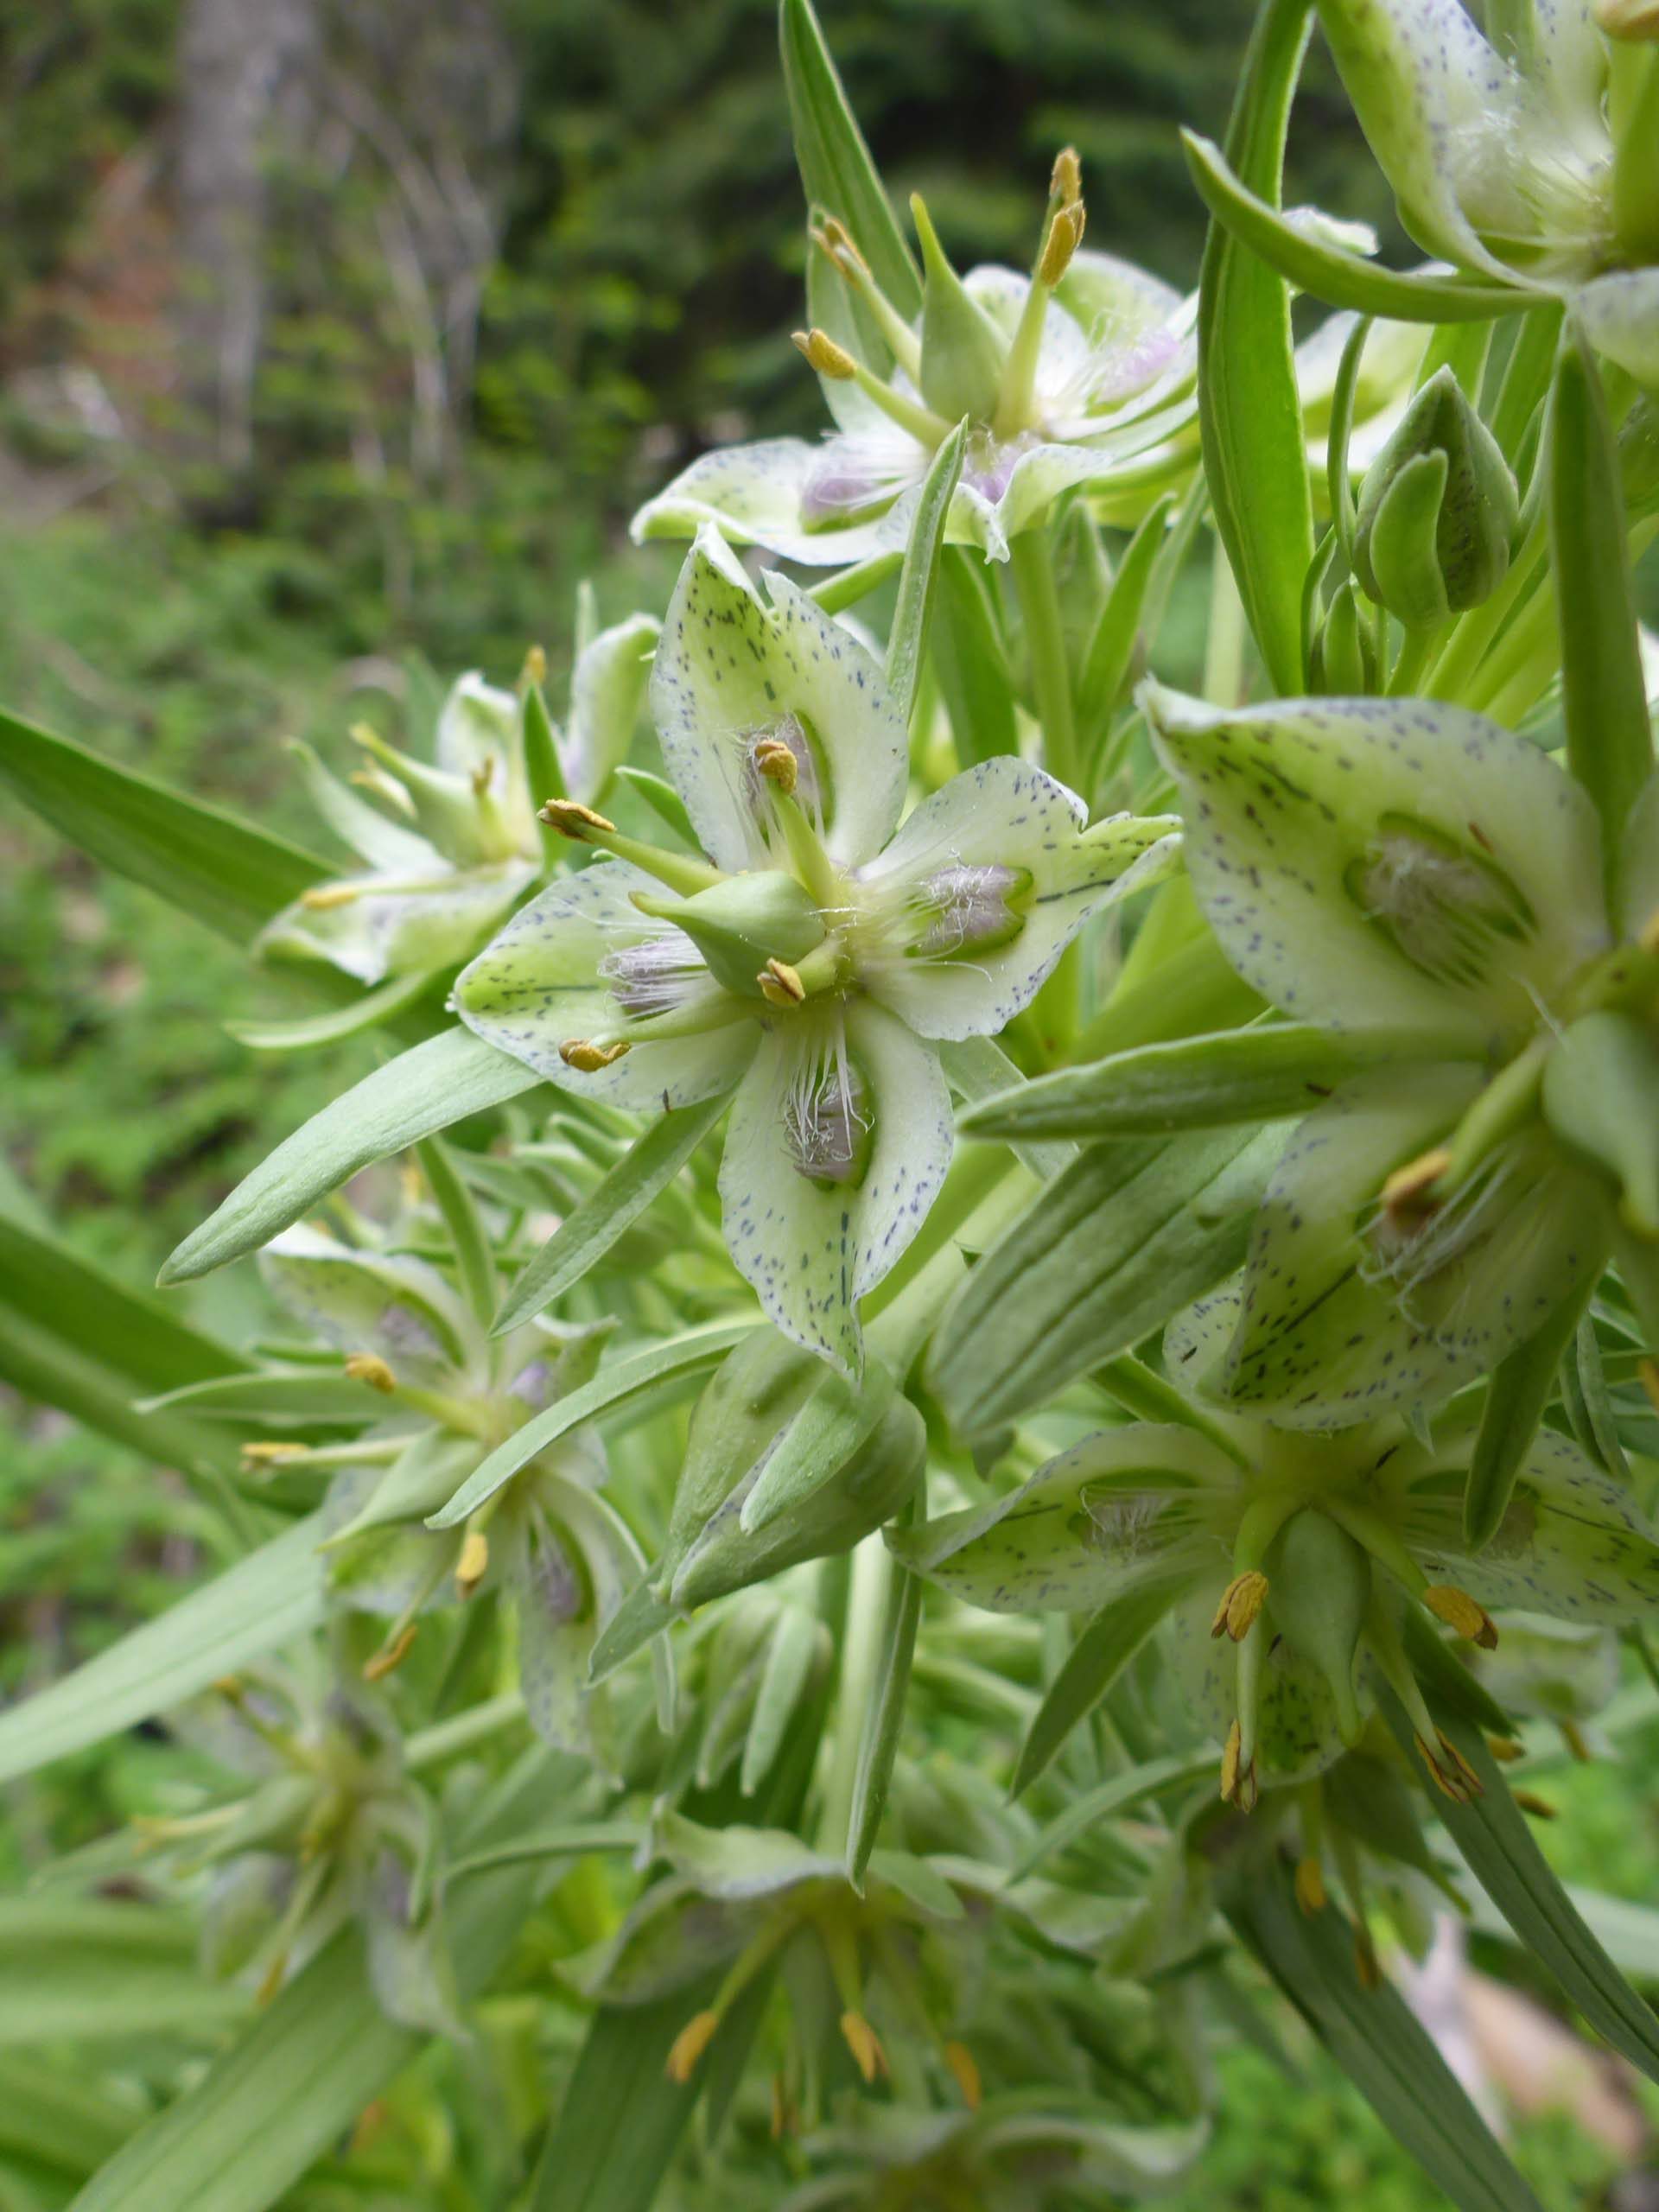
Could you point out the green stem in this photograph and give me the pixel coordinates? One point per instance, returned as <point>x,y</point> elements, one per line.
<point>1031,562</point>
<point>1224,646</point>
<point>861,1652</point>
<point>446,1739</point>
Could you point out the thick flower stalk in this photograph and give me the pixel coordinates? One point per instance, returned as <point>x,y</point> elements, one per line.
<point>1431,886</point>
<point>1288,1562</point>
<point>1528,156</point>
<point>814,960</point>
<point>449,846</point>
<point>1079,374</point>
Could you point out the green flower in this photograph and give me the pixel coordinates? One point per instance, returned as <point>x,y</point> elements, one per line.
<point>1289,1562</point>
<point>439,1394</point>
<point>1529,157</point>
<point>1411,870</point>
<point>452,845</point>
<point>816,959</point>
<point>1080,374</point>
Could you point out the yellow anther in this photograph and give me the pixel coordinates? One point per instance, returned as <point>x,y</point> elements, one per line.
<point>1365,1965</point>
<point>1647,1373</point>
<point>1573,1737</point>
<point>535,667</point>
<point>321,896</point>
<point>1241,1602</point>
<point>780,984</point>
<point>1407,1190</point>
<point>1462,1614</point>
<point>1636,21</point>
<point>1064,236</point>
<point>1540,1808</point>
<point>825,356</point>
<point>483,775</point>
<point>474,1563</point>
<point>271,1981</point>
<point>690,2044</point>
<point>1310,1885</point>
<point>1065,184</point>
<point>1238,1783</point>
<point>588,1059</point>
<point>865,2044</point>
<point>391,1656</point>
<point>369,1367</point>
<point>1446,1770</point>
<point>1505,1749</point>
<point>265,1452</point>
<point>960,2060</point>
<point>777,763</point>
<point>230,1686</point>
<point>571,819</point>
<point>835,241</point>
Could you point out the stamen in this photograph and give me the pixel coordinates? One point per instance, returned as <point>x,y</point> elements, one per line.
<point>390,1655</point>
<point>781,985</point>
<point>1065,184</point>
<point>1241,1605</point>
<point>321,896</point>
<point>776,761</point>
<point>834,362</point>
<point>834,242</point>
<point>474,1563</point>
<point>572,820</point>
<point>369,1367</point>
<point>1238,1783</point>
<point>587,1059</point>
<point>1462,1614</point>
<point>865,2044</point>
<point>535,668</point>
<point>1311,1893</point>
<point>1405,1190</point>
<point>690,2044</point>
<point>1065,237</point>
<point>960,2060</point>
<point>1540,1808</point>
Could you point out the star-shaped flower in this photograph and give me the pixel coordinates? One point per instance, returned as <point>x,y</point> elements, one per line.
<point>816,958</point>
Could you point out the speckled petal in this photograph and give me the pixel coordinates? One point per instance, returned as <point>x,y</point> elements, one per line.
<point>812,1246</point>
<point>607,689</point>
<point>573,1562</point>
<point>369,1301</point>
<point>540,983</point>
<point>1000,814</point>
<point>1620,312</point>
<point>1572,1545</point>
<point>477,726</point>
<point>1372,860</point>
<point>730,669</point>
<point>1127,1506</point>
<point>753,494</point>
<point>1342,1317</point>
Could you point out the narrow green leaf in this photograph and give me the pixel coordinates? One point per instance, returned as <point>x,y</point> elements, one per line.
<point>971,660</point>
<point>474,1263</point>
<point>664,803</point>
<point>1327,272</point>
<point>1265,1073</point>
<point>570,1840</point>
<point>626,1379</point>
<point>1108,658</point>
<point>836,171</point>
<point>1497,1845</point>
<point>307,1395</point>
<point>420,1091</point>
<point>836,1421</point>
<point>265,1601</point>
<point>883,1720</point>
<point>1521,1386</point>
<point>1374,2037</point>
<point>908,635</point>
<point>55,1370</point>
<point>1249,410</point>
<point>1444,1679</point>
<point>1120,1792</point>
<point>583,1238</point>
<point>1603,696</point>
<point>978,1069</point>
<point>1093,1664</point>
<point>60,2120</point>
<point>1125,1237</point>
<point>308,1031</point>
<point>88,1971</point>
<point>226,872</point>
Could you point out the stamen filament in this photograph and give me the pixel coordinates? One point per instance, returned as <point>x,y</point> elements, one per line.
<point>677,870</point>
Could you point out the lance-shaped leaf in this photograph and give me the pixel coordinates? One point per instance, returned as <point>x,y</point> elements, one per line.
<point>226,872</point>
<point>908,635</point>
<point>422,1091</point>
<point>1093,1664</point>
<point>1522,1384</point>
<point>89,1970</point>
<point>1380,860</point>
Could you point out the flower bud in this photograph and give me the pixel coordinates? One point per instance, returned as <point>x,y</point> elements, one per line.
<point>963,351</point>
<point>741,924</point>
<point>1439,511</point>
<point>1321,1585</point>
<point>1343,662</point>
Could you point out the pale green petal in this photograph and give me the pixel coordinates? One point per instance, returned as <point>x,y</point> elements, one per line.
<point>855,1095</point>
<point>1620,312</point>
<point>540,983</point>
<point>385,845</point>
<point>1640,876</point>
<point>1345,1316</point>
<point>1375,861</point>
<point>1572,1544</point>
<point>607,689</point>
<point>730,670</point>
<point>358,1300</point>
<point>672,1937</point>
<point>936,907</point>
<point>1123,1507</point>
<point>1551,1670</point>
<point>734,1863</point>
<point>754,495</point>
<point>572,1563</point>
<point>477,727</point>
<point>400,925</point>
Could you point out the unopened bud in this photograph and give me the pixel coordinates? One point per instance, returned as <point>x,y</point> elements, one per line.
<point>587,1059</point>
<point>369,1367</point>
<point>1341,664</point>
<point>1064,236</point>
<point>825,356</point>
<point>1439,511</point>
<point>571,819</point>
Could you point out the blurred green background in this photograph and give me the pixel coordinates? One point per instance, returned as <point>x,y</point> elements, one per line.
<point>331,329</point>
